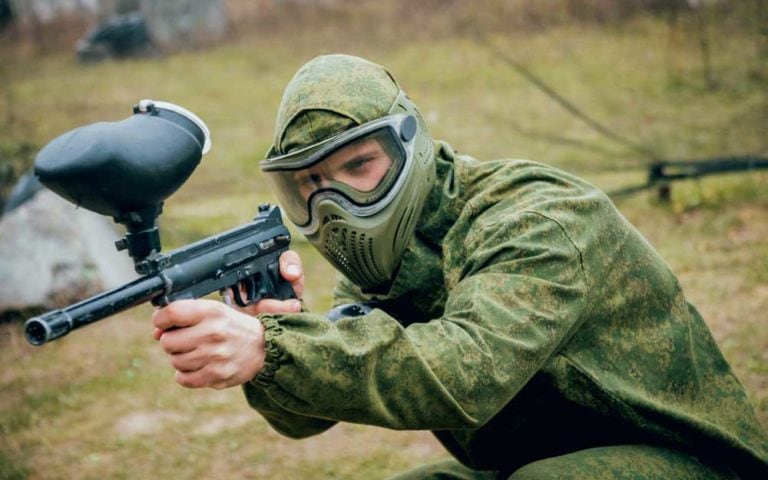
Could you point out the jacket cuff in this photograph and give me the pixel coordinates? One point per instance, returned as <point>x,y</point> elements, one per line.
<point>272,330</point>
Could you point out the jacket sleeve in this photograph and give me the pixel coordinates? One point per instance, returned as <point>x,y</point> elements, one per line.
<point>520,292</point>
<point>288,423</point>
<point>285,422</point>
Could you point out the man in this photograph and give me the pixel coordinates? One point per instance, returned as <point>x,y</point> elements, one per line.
<point>518,315</point>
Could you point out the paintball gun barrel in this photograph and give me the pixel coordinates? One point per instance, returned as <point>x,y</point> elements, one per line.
<point>126,170</point>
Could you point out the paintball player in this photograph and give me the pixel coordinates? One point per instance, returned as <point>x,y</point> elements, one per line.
<point>516,314</point>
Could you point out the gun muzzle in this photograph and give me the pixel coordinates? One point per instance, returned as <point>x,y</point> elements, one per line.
<point>43,329</point>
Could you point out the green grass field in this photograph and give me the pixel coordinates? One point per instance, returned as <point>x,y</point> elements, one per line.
<point>101,403</point>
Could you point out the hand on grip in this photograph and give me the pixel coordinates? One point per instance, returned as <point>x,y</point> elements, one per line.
<point>248,300</point>
<point>210,344</point>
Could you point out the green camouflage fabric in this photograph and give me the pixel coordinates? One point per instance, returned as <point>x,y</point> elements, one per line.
<point>626,462</point>
<point>352,92</point>
<point>529,325</point>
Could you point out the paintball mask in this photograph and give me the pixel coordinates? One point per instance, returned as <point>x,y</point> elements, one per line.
<point>357,195</point>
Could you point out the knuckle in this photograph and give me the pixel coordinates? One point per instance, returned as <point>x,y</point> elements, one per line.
<point>171,310</point>
<point>186,380</point>
<point>223,372</point>
<point>165,343</point>
<point>216,335</point>
<point>179,362</point>
<point>220,308</point>
<point>189,383</point>
<point>175,362</point>
<point>215,330</point>
<point>222,352</point>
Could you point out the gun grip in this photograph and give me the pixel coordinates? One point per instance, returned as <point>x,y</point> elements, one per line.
<point>283,288</point>
<point>259,286</point>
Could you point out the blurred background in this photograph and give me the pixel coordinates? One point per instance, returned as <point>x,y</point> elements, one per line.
<point>651,100</point>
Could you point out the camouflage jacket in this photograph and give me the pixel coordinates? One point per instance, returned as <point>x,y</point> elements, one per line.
<point>528,319</point>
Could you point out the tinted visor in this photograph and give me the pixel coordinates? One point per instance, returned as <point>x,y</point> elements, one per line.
<point>358,171</point>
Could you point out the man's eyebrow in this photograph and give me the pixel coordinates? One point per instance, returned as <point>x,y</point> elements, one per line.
<point>360,156</point>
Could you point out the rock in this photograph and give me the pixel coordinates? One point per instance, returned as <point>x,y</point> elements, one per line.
<point>53,254</point>
<point>15,159</point>
<point>26,188</point>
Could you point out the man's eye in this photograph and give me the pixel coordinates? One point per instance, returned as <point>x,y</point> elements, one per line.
<point>357,164</point>
<point>308,180</point>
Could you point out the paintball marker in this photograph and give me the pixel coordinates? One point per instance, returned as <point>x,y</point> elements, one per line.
<point>126,170</point>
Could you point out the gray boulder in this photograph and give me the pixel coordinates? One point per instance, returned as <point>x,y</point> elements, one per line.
<point>53,254</point>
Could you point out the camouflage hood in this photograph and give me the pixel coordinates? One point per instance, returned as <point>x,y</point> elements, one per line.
<point>338,98</point>
<point>319,102</point>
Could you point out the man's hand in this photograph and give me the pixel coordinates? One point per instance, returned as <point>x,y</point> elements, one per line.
<point>217,346</point>
<point>292,270</point>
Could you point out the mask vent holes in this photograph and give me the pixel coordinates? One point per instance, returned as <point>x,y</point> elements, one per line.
<point>347,249</point>
<point>373,258</point>
<point>334,247</point>
<point>331,218</point>
<point>361,248</point>
<point>352,252</point>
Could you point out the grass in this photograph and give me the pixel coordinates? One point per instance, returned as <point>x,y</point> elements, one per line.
<point>101,403</point>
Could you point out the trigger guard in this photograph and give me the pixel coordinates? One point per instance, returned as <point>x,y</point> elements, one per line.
<point>250,288</point>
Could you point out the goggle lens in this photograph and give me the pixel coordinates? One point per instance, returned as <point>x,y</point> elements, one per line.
<point>361,171</point>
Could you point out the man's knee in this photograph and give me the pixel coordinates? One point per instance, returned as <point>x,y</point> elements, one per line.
<point>549,468</point>
<point>622,462</point>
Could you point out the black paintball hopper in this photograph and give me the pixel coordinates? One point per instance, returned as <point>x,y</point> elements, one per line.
<point>127,169</point>
<point>113,168</point>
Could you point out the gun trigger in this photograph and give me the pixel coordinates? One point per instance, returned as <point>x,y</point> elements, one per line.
<point>252,292</point>
<point>236,295</point>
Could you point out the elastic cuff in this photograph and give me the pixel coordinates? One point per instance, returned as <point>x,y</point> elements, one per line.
<point>272,330</point>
